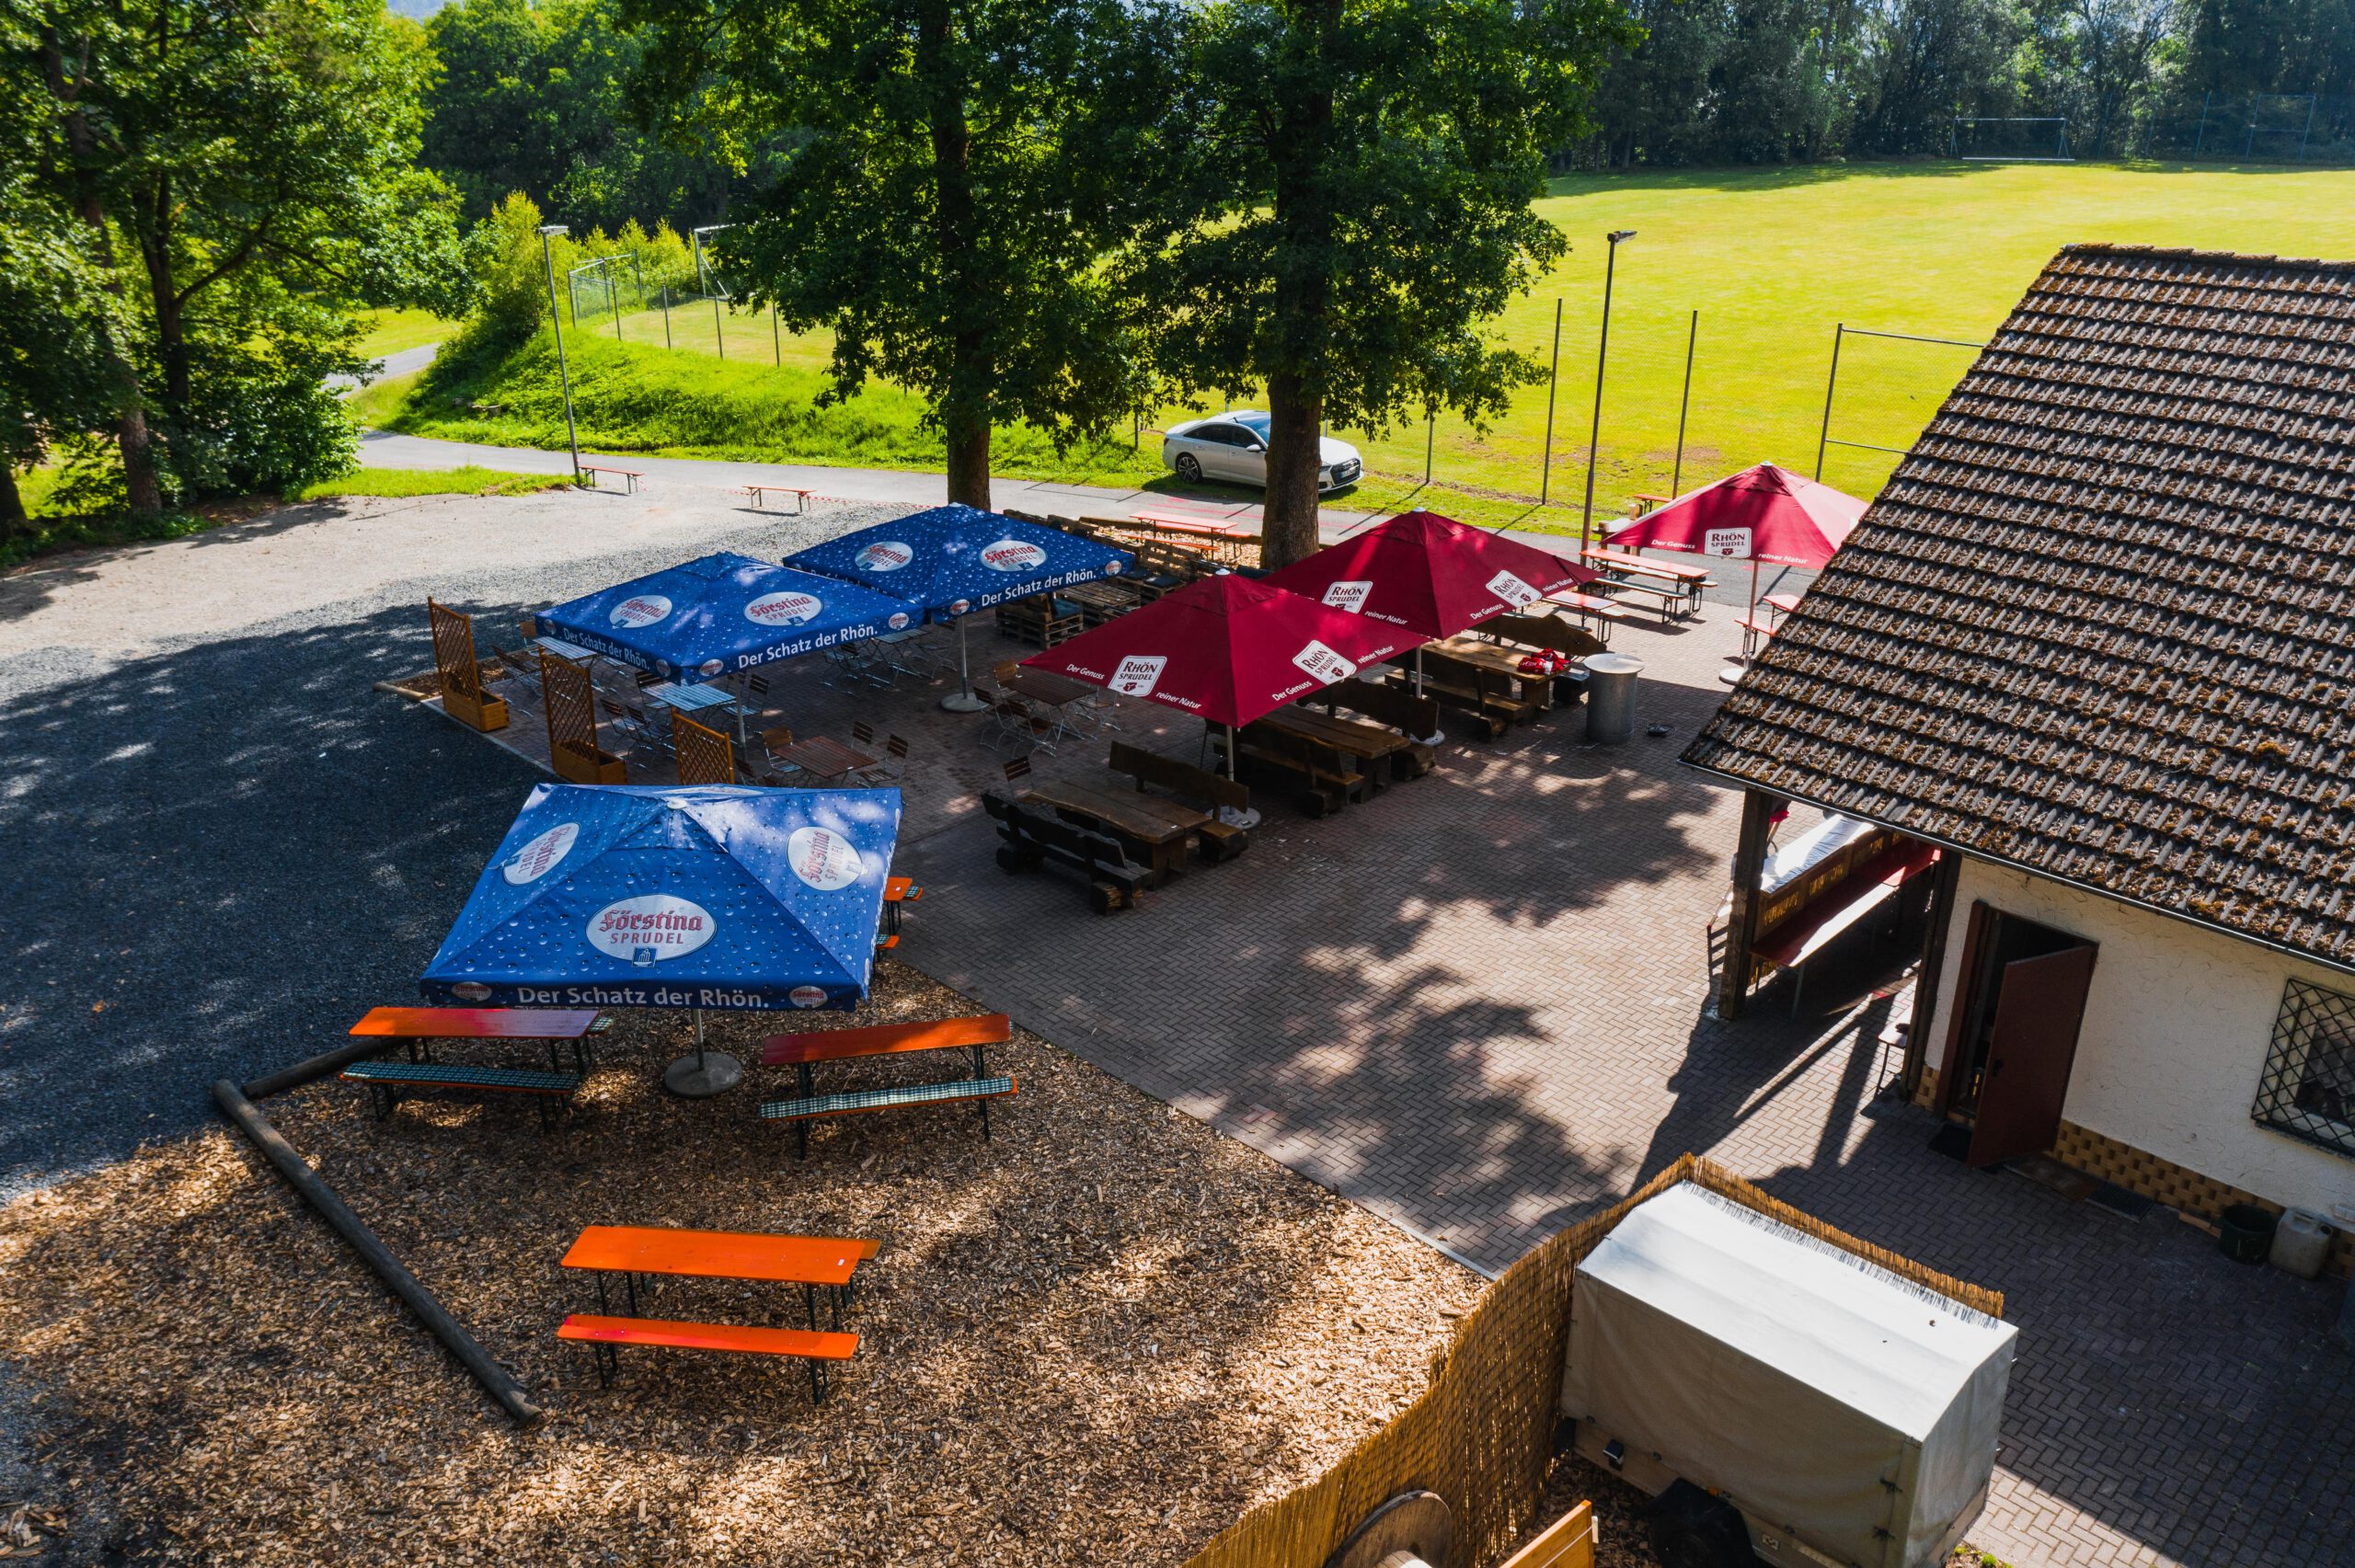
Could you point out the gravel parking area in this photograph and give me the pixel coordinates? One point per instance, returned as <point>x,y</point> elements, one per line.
<point>1097,1338</point>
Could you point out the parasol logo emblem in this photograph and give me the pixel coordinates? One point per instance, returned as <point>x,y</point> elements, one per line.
<point>823,858</point>
<point>1139,674</point>
<point>884,556</point>
<point>1323,663</point>
<point>471,990</point>
<point>1512,590</point>
<point>711,666</point>
<point>899,621</point>
<point>539,857</point>
<point>1112,568</point>
<point>651,928</point>
<point>1013,555</point>
<point>958,606</point>
<point>640,610</point>
<point>1349,596</point>
<point>806,996</point>
<point>786,608</point>
<point>1732,542</point>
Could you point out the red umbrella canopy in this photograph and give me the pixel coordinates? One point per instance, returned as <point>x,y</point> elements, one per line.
<point>1764,513</point>
<point>1225,648</point>
<point>1428,574</point>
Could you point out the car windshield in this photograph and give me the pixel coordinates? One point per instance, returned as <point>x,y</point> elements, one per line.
<point>1258,424</point>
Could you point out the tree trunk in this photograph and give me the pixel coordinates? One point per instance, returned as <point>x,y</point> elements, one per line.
<point>1297,416</point>
<point>1304,225</point>
<point>965,400</point>
<point>968,459</point>
<point>142,488</point>
<point>13,521</point>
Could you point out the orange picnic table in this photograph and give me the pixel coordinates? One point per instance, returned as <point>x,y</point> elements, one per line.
<point>420,1026</point>
<point>806,1261</point>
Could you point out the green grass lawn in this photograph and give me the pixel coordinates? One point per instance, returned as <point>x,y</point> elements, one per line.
<point>390,331</point>
<point>469,480</point>
<point>1770,259</point>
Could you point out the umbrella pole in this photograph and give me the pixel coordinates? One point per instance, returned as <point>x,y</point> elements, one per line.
<point>1248,818</point>
<point>962,701</point>
<point>1436,736</point>
<point>704,1074</point>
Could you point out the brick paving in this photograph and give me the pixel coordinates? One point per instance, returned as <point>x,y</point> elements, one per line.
<point>1476,1006</point>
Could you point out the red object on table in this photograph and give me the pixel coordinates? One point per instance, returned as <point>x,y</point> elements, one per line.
<point>476,1023</point>
<point>719,1254</point>
<point>1224,649</point>
<point>1428,574</point>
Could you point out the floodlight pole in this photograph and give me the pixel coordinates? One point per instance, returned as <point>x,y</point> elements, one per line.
<point>1601,355</point>
<point>1553,375</point>
<point>564,375</point>
<point>1691,336</point>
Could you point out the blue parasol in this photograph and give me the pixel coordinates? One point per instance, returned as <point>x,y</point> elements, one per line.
<point>704,897</point>
<point>955,559</point>
<point>725,613</point>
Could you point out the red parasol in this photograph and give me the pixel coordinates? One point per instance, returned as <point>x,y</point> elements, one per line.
<point>1766,513</point>
<point>1224,649</point>
<point>1428,574</point>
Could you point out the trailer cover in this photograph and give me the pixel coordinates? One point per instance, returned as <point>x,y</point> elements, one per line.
<point>1818,1392</point>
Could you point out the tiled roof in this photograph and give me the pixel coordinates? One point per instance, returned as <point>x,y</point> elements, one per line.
<point>2100,624</point>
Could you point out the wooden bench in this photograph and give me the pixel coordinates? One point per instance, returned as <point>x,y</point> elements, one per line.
<point>629,476</point>
<point>1485,696</point>
<point>1033,837</point>
<point>1163,566</point>
<point>1668,599</point>
<point>1554,635</point>
<point>388,1080</point>
<point>1394,705</point>
<point>759,496</point>
<point>605,1336</point>
<point>1198,787</point>
<point>898,892</point>
<point>981,1091</point>
<point>1327,779</point>
<point>975,1033</point>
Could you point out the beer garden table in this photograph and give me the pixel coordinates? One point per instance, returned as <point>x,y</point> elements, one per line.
<point>1163,827</point>
<point>423,1025</point>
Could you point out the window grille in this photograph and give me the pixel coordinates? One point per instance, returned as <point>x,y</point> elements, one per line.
<point>2308,1089</point>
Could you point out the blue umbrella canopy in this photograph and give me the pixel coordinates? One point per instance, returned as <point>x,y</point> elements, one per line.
<point>957,559</point>
<point>725,613</point>
<point>706,897</point>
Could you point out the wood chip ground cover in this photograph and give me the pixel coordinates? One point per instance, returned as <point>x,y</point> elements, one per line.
<point>1098,1339</point>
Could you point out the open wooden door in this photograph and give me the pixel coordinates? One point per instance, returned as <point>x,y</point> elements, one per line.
<point>2037,1012</point>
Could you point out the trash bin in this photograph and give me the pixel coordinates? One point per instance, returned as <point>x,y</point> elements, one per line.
<point>2247,1231</point>
<point>1611,697</point>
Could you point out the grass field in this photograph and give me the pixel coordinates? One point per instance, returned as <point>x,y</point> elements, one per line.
<point>390,331</point>
<point>1770,259</point>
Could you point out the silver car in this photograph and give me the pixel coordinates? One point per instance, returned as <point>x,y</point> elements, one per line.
<point>1233,447</point>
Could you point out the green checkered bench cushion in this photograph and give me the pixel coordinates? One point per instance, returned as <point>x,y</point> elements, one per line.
<point>884,1099</point>
<point>445,1075</point>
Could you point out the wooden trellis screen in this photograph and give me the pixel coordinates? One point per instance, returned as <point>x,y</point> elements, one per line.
<point>1482,1434</point>
<point>453,657</point>
<point>571,704</point>
<point>705,756</point>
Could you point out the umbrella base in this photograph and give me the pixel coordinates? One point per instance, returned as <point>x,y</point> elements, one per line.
<point>963,703</point>
<point>694,1077</point>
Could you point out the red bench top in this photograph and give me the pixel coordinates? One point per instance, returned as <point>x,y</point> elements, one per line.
<point>884,1039</point>
<point>805,1342</point>
<point>477,1022</point>
<point>719,1254</point>
<point>1185,522</point>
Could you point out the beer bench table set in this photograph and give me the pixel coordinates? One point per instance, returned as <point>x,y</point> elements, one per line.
<point>387,1081</point>
<point>801,1052</point>
<point>810,1262</point>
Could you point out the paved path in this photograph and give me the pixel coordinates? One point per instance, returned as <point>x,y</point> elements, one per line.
<point>1476,1003</point>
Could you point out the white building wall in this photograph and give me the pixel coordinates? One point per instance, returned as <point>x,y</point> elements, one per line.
<point>2177,1024</point>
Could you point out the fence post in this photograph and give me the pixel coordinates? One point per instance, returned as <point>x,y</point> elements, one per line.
<point>1676,474</point>
<point>1553,375</point>
<point>1430,431</point>
<point>776,349</point>
<point>1824,438</point>
<point>2309,131</point>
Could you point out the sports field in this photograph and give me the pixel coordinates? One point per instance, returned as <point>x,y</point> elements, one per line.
<point>1770,259</point>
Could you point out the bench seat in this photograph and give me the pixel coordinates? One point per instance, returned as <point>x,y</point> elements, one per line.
<point>979,1092</point>
<point>606,1335</point>
<point>387,1080</point>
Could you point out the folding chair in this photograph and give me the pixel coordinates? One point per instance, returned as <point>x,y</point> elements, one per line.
<point>1019,722</point>
<point>770,741</point>
<point>1018,768</point>
<point>892,769</point>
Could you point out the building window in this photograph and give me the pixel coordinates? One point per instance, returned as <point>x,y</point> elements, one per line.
<point>2309,1086</point>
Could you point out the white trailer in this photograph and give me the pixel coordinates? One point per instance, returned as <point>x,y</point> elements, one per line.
<point>1818,1411</point>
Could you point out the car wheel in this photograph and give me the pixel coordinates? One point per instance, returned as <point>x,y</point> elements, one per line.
<point>1188,468</point>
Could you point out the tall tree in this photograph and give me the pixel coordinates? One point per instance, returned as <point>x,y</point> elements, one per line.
<point>244,173</point>
<point>1359,182</point>
<point>55,371</point>
<point>967,165</point>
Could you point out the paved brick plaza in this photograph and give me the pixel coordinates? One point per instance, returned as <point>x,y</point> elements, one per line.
<point>1475,1006</point>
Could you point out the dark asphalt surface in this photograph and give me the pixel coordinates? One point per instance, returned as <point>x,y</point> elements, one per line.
<point>219,856</point>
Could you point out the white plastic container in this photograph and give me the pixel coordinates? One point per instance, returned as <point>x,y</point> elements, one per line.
<point>2301,1241</point>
